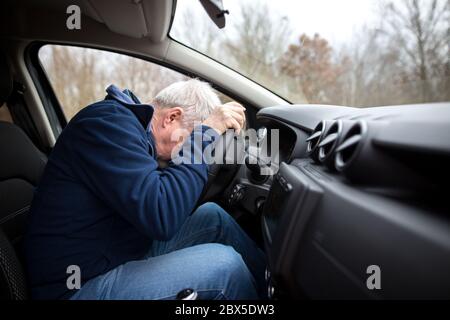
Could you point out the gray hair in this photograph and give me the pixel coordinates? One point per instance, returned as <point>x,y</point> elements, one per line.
<point>197,98</point>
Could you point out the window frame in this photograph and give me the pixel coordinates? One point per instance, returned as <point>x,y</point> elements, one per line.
<point>44,88</point>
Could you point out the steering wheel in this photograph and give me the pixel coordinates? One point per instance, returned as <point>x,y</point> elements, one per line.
<point>221,174</point>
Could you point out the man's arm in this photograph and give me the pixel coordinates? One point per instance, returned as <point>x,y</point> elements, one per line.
<point>110,155</point>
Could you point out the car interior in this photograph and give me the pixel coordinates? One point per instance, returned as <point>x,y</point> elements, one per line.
<point>353,187</point>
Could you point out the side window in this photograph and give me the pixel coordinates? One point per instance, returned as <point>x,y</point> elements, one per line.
<point>79,76</point>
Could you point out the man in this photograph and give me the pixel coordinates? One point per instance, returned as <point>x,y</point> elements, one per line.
<point>104,208</point>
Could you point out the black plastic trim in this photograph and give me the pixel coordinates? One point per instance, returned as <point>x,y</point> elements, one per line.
<point>48,97</point>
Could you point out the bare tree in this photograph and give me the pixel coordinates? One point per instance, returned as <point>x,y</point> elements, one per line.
<point>79,76</point>
<point>74,75</point>
<point>254,40</point>
<point>369,72</point>
<point>419,29</point>
<point>261,36</point>
<point>198,31</point>
<point>402,59</point>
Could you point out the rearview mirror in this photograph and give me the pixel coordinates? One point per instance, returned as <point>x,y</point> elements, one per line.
<point>215,11</point>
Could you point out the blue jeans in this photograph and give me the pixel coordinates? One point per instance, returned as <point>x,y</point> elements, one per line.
<point>210,254</point>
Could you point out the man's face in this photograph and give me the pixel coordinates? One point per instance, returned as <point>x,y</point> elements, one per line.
<point>168,130</point>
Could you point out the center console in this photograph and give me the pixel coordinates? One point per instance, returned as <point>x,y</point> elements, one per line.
<point>291,201</point>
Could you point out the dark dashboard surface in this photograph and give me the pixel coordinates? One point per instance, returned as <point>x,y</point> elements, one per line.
<point>359,188</point>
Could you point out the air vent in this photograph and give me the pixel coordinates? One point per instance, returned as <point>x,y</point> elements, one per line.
<point>347,150</point>
<point>314,140</point>
<point>329,142</point>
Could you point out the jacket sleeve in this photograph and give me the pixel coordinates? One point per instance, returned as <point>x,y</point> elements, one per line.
<point>111,156</point>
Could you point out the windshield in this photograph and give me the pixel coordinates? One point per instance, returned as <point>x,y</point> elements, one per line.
<point>358,53</point>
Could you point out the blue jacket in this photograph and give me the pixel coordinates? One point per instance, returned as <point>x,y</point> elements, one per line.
<point>102,198</point>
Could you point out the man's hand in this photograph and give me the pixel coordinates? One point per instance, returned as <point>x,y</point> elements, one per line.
<point>228,116</point>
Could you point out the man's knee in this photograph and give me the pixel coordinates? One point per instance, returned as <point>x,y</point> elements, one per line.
<point>213,213</point>
<point>228,266</point>
<point>224,260</point>
<point>208,208</point>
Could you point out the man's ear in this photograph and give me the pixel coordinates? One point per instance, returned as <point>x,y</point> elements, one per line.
<point>172,115</point>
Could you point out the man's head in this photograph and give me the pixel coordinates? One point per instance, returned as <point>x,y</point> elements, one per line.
<point>177,108</point>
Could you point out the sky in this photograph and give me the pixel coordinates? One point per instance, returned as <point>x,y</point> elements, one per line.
<point>335,20</point>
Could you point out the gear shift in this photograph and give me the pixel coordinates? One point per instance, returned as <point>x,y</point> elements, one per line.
<point>254,165</point>
<point>187,294</point>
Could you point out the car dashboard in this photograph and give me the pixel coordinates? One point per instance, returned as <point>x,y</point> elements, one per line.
<point>358,190</point>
